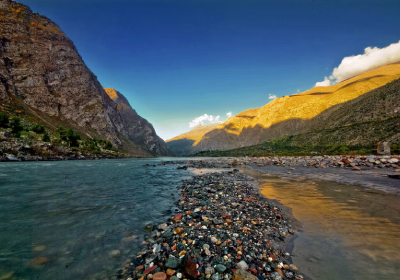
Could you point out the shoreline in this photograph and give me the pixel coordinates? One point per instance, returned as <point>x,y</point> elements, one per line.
<point>375,178</point>
<point>224,228</point>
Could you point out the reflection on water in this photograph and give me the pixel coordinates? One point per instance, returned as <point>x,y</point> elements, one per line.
<point>349,232</point>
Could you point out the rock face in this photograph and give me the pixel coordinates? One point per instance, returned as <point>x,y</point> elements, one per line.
<point>298,113</point>
<point>138,129</point>
<point>42,74</point>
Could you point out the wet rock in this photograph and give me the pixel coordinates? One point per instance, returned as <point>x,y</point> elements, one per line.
<point>177,218</point>
<point>243,275</point>
<point>172,262</point>
<point>39,261</point>
<point>220,268</point>
<point>115,253</point>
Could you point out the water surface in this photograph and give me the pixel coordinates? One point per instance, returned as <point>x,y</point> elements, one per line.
<point>61,220</point>
<point>349,232</point>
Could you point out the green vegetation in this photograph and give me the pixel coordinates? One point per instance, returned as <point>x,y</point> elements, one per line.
<point>284,147</point>
<point>94,145</point>
<point>69,136</point>
<point>4,120</point>
<point>46,137</point>
<point>16,126</point>
<point>24,127</point>
<point>38,128</point>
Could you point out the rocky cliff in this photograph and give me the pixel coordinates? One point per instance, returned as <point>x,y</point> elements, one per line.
<point>289,115</point>
<point>43,76</point>
<point>138,129</point>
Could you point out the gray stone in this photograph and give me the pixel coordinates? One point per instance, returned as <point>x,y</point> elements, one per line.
<point>242,265</point>
<point>172,263</point>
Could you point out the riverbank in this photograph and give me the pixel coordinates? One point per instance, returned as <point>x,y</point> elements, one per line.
<point>377,172</point>
<point>224,228</point>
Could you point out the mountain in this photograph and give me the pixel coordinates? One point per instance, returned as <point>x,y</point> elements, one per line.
<point>138,129</point>
<point>287,115</point>
<point>356,125</point>
<point>43,77</point>
<point>183,144</point>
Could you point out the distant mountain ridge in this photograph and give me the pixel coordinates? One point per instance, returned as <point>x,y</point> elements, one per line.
<point>43,76</point>
<point>287,115</point>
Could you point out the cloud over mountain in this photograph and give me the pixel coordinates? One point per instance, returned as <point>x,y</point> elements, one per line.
<point>372,58</point>
<point>204,119</point>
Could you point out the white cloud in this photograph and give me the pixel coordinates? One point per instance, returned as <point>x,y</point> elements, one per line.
<point>272,96</point>
<point>371,58</point>
<point>229,114</point>
<point>204,119</point>
<point>325,83</point>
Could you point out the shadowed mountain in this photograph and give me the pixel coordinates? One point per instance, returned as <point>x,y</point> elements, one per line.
<point>288,115</point>
<point>43,78</point>
<point>138,129</point>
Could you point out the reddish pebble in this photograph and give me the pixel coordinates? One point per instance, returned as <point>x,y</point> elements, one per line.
<point>160,276</point>
<point>252,270</point>
<point>150,269</point>
<point>177,218</point>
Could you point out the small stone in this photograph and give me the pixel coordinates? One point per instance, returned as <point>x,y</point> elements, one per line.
<point>39,261</point>
<point>276,276</point>
<point>170,272</point>
<point>244,275</point>
<point>293,267</point>
<point>162,226</point>
<point>172,263</point>
<point>39,248</point>
<point>213,239</point>
<point>220,268</point>
<point>150,269</point>
<point>115,253</point>
<point>177,218</point>
<point>356,168</point>
<point>210,270</point>
<point>242,265</point>
<point>160,276</point>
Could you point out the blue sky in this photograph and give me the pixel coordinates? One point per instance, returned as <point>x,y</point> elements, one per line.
<point>178,60</point>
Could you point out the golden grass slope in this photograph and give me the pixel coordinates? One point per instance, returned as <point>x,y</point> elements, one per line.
<point>305,105</point>
<point>196,133</point>
<point>308,104</point>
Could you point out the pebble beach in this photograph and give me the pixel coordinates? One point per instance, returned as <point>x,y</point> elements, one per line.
<point>223,228</point>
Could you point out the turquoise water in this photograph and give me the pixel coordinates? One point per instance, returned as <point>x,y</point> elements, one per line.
<point>61,220</point>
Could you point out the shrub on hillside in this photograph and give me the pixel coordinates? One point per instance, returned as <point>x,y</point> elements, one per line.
<point>38,128</point>
<point>4,120</point>
<point>16,126</point>
<point>46,137</point>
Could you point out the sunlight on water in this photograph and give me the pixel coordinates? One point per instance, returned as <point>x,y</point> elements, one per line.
<point>350,232</point>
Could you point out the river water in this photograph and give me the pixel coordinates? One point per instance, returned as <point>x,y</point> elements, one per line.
<point>349,232</point>
<point>61,220</point>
